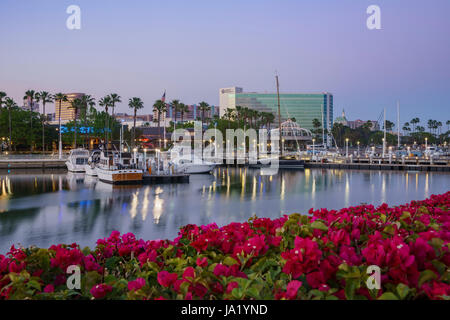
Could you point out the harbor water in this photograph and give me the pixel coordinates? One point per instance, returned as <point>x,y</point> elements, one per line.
<point>42,209</point>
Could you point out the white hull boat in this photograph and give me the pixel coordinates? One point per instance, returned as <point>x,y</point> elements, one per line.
<point>77,160</point>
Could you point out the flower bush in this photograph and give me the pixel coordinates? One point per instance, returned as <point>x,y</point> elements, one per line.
<point>323,255</point>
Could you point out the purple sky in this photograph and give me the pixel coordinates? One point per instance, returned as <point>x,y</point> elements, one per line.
<point>193,48</point>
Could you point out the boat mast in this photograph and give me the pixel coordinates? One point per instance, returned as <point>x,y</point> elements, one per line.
<point>398,125</point>
<point>279,113</point>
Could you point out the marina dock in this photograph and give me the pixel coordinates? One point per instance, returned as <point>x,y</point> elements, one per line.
<point>33,164</point>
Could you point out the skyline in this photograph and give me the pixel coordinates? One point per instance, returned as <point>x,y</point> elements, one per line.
<point>196,48</point>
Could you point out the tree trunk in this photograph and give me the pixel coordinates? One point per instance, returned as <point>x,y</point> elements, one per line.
<point>10,129</point>
<point>134,128</point>
<point>31,124</point>
<point>159,130</point>
<point>75,140</point>
<point>43,127</point>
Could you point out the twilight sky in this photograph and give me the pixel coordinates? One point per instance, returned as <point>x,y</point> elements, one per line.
<point>193,48</point>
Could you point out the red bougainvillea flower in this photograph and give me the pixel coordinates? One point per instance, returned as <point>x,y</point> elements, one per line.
<point>99,291</point>
<point>49,288</point>
<point>202,262</point>
<point>136,284</point>
<point>166,279</point>
<point>292,289</point>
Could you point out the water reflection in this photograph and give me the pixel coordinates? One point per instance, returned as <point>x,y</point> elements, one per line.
<point>43,209</point>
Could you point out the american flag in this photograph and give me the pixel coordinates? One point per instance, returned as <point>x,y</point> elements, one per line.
<point>163,98</point>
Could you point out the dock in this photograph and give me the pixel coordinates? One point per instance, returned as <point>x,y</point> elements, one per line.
<point>32,164</point>
<point>377,166</point>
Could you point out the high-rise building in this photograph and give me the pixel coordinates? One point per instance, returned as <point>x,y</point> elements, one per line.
<point>27,105</point>
<point>303,107</point>
<point>67,112</point>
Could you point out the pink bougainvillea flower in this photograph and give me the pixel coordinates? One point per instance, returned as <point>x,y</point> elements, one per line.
<point>136,284</point>
<point>202,262</point>
<point>99,291</point>
<point>166,279</point>
<point>292,289</point>
<point>49,288</point>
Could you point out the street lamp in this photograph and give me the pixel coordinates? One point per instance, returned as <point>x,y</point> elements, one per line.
<point>314,147</point>
<point>346,147</point>
<point>358,147</point>
<point>426,143</point>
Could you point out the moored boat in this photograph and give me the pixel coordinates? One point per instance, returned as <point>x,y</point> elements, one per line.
<point>77,160</point>
<point>118,168</point>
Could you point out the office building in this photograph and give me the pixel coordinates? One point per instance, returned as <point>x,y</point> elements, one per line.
<point>303,107</point>
<point>67,112</point>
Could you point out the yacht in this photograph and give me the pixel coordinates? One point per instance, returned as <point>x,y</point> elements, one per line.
<point>187,162</point>
<point>190,164</point>
<point>77,160</point>
<point>432,151</point>
<point>118,168</point>
<point>91,165</point>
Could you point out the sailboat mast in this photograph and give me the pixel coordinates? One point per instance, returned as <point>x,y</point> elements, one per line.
<point>398,124</point>
<point>279,112</point>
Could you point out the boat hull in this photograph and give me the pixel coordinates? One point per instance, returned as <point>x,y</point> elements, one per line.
<point>75,168</point>
<point>90,171</point>
<point>199,168</point>
<point>126,176</point>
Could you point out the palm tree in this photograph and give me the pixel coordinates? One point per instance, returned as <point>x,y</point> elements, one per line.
<point>9,103</point>
<point>183,109</point>
<point>175,108</point>
<point>45,97</point>
<point>228,115</point>
<point>76,105</point>
<point>414,121</point>
<point>106,103</point>
<point>136,104</point>
<point>115,98</point>
<point>86,100</point>
<point>2,95</point>
<point>30,95</point>
<point>203,106</point>
<point>316,124</point>
<point>448,124</point>
<point>60,97</point>
<point>159,107</point>
<point>270,118</point>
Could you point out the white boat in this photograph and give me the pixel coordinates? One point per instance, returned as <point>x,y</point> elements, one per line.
<point>187,162</point>
<point>190,164</point>
<point>77,160</point>
<point>118,168</point>
<point>432,151</point>
<point>91,165</point>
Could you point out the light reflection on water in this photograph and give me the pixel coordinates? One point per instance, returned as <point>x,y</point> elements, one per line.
<point>43,209</point>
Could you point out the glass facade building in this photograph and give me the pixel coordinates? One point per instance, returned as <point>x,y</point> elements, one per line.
<point>304,107</point>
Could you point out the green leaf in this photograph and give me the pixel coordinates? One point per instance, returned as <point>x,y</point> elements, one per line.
<point>229,261</point>
<point>317,224</point>
<point>402,290</point>
<point>425,276</point>
<point>388,296</point>
<point>350,287</point>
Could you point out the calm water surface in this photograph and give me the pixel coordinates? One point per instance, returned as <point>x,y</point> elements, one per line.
<point>47,208</point>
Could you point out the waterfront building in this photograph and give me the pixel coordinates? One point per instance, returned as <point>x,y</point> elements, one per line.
<point>67,112</point>
<point>342,119</point>
<point>303,107</point>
